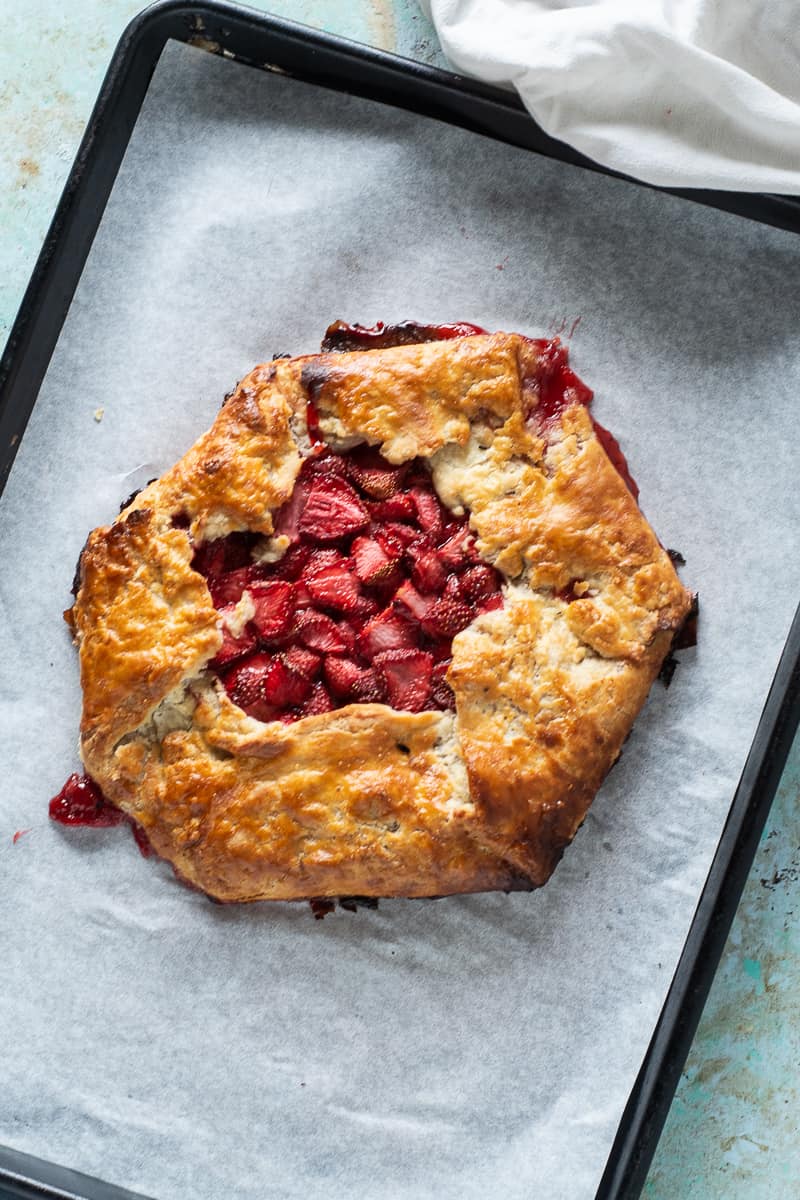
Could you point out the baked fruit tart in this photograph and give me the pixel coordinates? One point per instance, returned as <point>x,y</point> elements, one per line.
<point>382,631</point>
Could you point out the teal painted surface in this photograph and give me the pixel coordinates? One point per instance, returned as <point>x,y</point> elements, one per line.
<point>731,1133</point>
<point>732,1130</point>
<point>52,60</point>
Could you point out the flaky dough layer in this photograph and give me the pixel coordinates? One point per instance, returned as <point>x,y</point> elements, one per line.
<point>367,800</point>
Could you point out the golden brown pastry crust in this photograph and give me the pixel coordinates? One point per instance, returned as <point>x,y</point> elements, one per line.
<point>367,800</point>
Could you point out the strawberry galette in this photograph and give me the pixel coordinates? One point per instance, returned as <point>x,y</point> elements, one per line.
<point>382,631</point>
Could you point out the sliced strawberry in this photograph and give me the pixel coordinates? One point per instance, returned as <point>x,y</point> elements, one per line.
<point>349,633</point>
<point>341,675</point>
<point>410,599</point>
<point>452,589</point>
<point>232,647</point>
<point>387,631</point>
<point>274,603</point>
<point>290,567</point>
<point>228,588</point>
<point>318,559</point>
<point>371,472</point>
<point>285,687</point>
<point>441,692</point>
<point>441,650</point>
<point>259,572</point>
<point>286,519</point>
<point>302,596</point>
<point>418,545</point>
<point>209,558</point>
<point>320,632</point>
<point>318,702</point>
<point>349,681</point>
<point>455,552</point>
<point>479,582</point>
<point>491,603</point>
<point>378,484</point>
<point>337,588</point>
<point>404,534</point>
<point>324,463</point>
<point>302,660</point>
<point>244,683</point>
<point>407,674</point>
<point>446,618</point>
<point>427,571</point>
<point>371,687</point>
<point>383,589</point>
<point>451,526</point>
<point>332,510</point>
<point>429,510</point>
<point>372,564</point>
<point>367,608</point>
<point>397,508</point>
<point>390,543</point>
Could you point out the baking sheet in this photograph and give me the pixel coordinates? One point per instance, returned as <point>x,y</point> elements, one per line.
<point>468,1047</point>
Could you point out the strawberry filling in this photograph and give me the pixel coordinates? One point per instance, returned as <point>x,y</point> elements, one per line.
<point>555,387</point>
<point>81,802</point>
<point>341,337</point>
<point>378,578</point>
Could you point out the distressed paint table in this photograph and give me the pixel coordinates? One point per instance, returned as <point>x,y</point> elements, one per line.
<point>732,1130</point>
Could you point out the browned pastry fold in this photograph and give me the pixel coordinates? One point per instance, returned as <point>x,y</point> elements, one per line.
<point>368,800</point>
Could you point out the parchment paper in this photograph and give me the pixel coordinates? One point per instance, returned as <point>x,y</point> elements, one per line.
<point>465,1048</point>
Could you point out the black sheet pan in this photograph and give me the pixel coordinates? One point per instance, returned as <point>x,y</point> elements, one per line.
<point>272,44</point>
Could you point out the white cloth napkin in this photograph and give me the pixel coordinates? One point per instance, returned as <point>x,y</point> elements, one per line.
<point>681,93</point>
